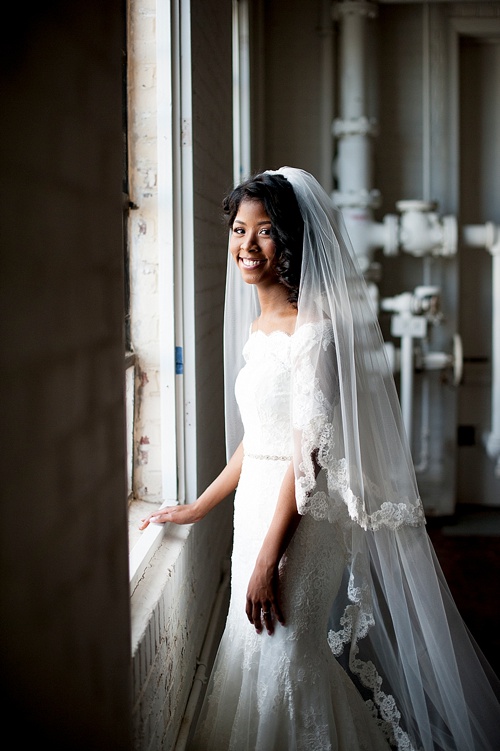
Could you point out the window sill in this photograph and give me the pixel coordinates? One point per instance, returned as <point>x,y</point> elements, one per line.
<point>142,544</point>
<point>159,576</point>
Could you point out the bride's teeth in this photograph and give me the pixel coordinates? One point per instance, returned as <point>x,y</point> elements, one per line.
<point>249,262</point>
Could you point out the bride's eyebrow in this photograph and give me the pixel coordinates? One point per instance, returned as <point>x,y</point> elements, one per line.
<point>259,224</point>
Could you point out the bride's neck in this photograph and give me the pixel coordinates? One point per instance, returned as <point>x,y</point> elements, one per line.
<point>276,312</point>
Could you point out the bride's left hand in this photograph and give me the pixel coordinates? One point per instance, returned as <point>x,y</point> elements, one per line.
<point>263,600</point>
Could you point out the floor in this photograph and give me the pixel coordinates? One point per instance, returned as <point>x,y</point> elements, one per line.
<point>468,549</point>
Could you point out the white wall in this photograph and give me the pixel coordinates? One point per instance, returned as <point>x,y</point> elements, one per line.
<point>64,628</point>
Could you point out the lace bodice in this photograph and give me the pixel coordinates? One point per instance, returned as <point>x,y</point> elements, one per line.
<point>263,394</point>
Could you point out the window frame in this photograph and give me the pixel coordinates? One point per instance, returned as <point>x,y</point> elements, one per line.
<point>172,219</point>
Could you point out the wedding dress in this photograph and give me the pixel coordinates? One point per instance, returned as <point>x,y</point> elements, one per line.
<point>287,691</point>
<point>374,652</point>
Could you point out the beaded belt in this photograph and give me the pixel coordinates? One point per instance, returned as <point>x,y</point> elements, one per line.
<point>270,457</point>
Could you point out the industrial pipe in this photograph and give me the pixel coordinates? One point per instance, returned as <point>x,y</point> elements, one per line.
<point>488,236</point>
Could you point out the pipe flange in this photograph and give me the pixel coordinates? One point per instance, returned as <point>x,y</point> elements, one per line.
<point>450,236</point>
<point>354,8</point>
<point>416,205</point>
<point>360,199</point>
<point>361,126</point>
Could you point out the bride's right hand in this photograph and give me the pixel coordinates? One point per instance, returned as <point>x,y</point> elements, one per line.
<point>185,514</point>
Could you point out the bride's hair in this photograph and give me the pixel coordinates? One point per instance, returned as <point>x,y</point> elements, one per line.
<point>287,226</point>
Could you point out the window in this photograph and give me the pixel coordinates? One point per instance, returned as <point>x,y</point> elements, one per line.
<point>158,225</point>
<point>241,90</point>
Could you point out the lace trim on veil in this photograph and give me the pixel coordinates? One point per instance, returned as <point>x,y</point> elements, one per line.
<point>358,617</point>
<point>323,490</point>
<point>356,622</point>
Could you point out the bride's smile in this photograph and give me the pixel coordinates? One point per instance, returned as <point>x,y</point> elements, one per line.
<point>251,244</point>
<point>250,263</point>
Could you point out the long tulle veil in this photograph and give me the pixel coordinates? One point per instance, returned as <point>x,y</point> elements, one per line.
<point>394,625</point>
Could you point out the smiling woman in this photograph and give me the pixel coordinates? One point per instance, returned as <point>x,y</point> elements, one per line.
<point>251,244</point>
<point>330,554</point>
<point>281,222</point>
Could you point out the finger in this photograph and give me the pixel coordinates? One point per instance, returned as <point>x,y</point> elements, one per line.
<point>275,603</point>
<point>278,612</point>
<point>151,520</point>
<point>145,522</point>
<point>164,515</point>
<point>267,617</point>
<point>257,622</point>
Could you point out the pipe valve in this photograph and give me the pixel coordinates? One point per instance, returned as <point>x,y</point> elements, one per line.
<point>422,232</point>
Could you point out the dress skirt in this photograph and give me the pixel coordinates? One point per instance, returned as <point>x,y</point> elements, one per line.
<point>284,692</point>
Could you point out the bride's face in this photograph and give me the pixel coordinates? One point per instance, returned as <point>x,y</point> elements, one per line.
<point>251,244</point>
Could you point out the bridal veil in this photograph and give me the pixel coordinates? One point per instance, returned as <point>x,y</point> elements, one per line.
<point>394,625</point>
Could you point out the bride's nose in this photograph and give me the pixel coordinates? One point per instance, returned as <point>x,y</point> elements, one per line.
<point>249,242</point>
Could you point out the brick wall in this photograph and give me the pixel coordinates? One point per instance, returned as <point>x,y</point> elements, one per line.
<point>171,609</point>
<point>144,252</point>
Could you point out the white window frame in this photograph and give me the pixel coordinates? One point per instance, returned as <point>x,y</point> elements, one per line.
<point>241,91</point>
<point>174,238</point>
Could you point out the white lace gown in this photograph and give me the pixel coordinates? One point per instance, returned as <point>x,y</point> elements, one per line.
<point>284,692</point>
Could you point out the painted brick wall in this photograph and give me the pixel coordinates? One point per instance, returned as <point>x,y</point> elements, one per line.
<point>171,609</point>
<point>143,245</point>
<point>64,633</point>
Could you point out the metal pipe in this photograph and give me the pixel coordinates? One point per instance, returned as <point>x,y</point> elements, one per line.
<point>406,383</point>
<point>488,236</point>
<point>492,439</point>
<point>425,427</point>
<point>354,130</point>
<point>426,104</point>
<point>241,91</point>
<point>354,148</point>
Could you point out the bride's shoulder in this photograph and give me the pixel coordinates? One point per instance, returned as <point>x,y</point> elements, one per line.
<point>314,327</point>
<point>311,333</point>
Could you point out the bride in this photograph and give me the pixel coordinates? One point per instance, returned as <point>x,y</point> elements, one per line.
<point>341,632</point>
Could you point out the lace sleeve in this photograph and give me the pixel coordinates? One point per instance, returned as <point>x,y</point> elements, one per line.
<point>315,397</point>
<point>327,486</point>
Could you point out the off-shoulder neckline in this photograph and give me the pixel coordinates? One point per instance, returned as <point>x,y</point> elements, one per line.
<point>285,333</point>
<point>271,333</point>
